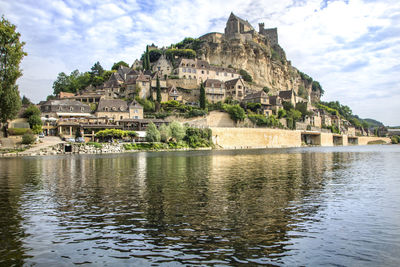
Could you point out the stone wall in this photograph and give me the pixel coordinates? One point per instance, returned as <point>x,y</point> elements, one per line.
<point>183,83</point>
<point>236,138</point>
<point>363,140</point>
<point>326,139</point>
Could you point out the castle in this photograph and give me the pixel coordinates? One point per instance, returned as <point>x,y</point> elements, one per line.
<point>237,28</point>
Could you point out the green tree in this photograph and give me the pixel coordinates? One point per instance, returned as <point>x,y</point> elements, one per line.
<point>97,69</point>
<point>165,133</point>
<point>30,111</point>
<point>177,131</point>
<point>266,89</point>
<point>245,75</point>
<point>11,54</point>
<point>152,133</point>
<point>202,96</point>
<point>236,112</point>
<point>26,101</point>
<point>158,88</point>
<point>120,63</point>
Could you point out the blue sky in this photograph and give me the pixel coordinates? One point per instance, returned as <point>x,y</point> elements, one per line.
<point>351,47</point>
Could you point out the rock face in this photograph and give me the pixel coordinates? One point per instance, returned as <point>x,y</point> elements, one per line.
<point>259,53</point>
<point>265,63</point>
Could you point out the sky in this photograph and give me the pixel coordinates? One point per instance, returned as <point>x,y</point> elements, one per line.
<point>352,47</point>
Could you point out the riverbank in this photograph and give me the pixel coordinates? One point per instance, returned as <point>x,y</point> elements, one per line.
<point>222,137</point>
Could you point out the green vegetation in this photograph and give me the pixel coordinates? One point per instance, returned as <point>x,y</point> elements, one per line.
<point>26,101</point>
<point>376,142</point>
<point>317,87</point>
<point>302,92</point>
<point>116,65</point>
<point>202,99</point>
<point>185,53</point>
<point>196,137</point>
<point>253,107</point>
<point>152,133</point>
<point>11,54</point>
<point>236,112</point>
<point>77,81</point>
<point>28,139</point>
<point>246,76</point>
<point>158,88</point>
<point>148,105</point>
<point>275,55</point>
<point>266,89</point>
<point>32,113</point>
<point>188,43</point>
<point>19,131</point>
<point>395,139</point>
<point>95,144</point>
<point>110,134</point>
<point>261,120</point>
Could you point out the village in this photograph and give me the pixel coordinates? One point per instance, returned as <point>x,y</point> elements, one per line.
<point>188,89</point>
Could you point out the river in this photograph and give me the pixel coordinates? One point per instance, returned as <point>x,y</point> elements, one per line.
<point>337,206</point>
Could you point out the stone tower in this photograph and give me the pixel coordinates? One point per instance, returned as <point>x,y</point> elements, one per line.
<point>271,34</point>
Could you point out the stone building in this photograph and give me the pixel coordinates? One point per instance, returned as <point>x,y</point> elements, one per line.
<point>137,83</point>
<point>119,109</point>
<point>163,66</point>
<point>262,98</point>
<point>235,88</point>
<point>215,90</point>
<point>64,108</point>
<point>288,96</point>
<point>237,28</point>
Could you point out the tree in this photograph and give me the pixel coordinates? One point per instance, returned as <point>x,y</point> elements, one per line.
<point>147,58</point>
<point>97,69</point>
<point>202,96</point>
<point>120,63</point>
<point>245,75</point>
<point>165,133</point>
<point>30,111</point>
<point>266,89</point>
<point>177,131</point>
<point>11,54</point>
<point>158,90</point>
<point>152,134</point>
<point>26,101</point>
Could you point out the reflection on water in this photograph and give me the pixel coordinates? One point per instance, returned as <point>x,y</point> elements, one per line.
<point>280,207</point>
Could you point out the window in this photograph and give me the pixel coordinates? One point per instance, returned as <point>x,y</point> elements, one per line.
<point>159,68</point>
<point>232,74</point>
<point>190,77</point>
<point>240,87</point>
<point>190,70</point>
<point>136,117</point>
<point>225,74</point>
<point>202,72</point>
<point>184,70</point>
<point>193,65</point>
<point>143,83</point>
<point>71,108</point>
<point>136,111</point>
<point>217,73</point>
<point>82,108</point>
<point>194,76</point>
<point>121,117</point>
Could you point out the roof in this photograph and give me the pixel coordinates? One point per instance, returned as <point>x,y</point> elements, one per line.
<point>245,22</point>
<point>135,104</point>
<point>286,94</point>
<point>273,100</point>
<point>202,64</point>
<point>119,105</point>
<point>258,94</point>
<point>232,82</point>
<point>213,83</point>
<point>65,102</point>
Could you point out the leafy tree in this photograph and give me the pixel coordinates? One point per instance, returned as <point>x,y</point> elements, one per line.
<point>119,63</point>
<point>152,134</point>
<point>281,113</point>
<point>235,112</point>
<point>302,107</point>
<point>165,133</point>
<point>11,54</point>
<point>154,55</point>
<point>255,107</point>
<point>245,75</point>
<point>287,105</point>
<point>147,58</point>
<point>26,101</point>
<point>158,88</point>
<point>107,74</point>
<point>317,87</point>
<point>202,97</point>
<point>186,53</point>
<point>97,69</point>
<point>266,89</point>
<point>30,111</point>
<point>177,131</point>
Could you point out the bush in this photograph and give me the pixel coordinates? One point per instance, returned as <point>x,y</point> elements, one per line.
<point>95,144</point>
<point>198,137</point>
<point>195,113</point>
<point>245,75</point>
<point>28,139</point>
<point>395,139</point>
<point>145,146</point>
<point>235,112</point>
<point>152,134</point>
<point>177,131</point>
<point>30,111</point>
<point>165,133</point>
<point>19,131</point>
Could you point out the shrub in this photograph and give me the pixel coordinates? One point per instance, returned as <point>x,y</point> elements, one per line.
<point>28,139</point>
<point>19,131</point>
<point>152,134</point>
<point>395,139</point>
<point>235,112</point>
<point>165,133</point>
<point>37,129</point>
<point>245,75</point>
<point>95,144</point>
<point>177,131</point>
<point>198,137</point>
<point>195,113</point>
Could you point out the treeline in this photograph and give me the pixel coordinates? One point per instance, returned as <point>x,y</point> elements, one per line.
<point>76,80</point>
<point>315,85</point>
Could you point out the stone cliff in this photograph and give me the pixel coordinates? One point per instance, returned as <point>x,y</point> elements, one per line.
<point>266,63</point>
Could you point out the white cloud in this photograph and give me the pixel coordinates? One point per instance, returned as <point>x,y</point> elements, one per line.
<point>351,47</point>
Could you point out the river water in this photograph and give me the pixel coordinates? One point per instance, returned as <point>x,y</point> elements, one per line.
<point>335,206</point>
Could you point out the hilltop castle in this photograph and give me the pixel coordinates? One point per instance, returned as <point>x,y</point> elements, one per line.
<point>237,28</point>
